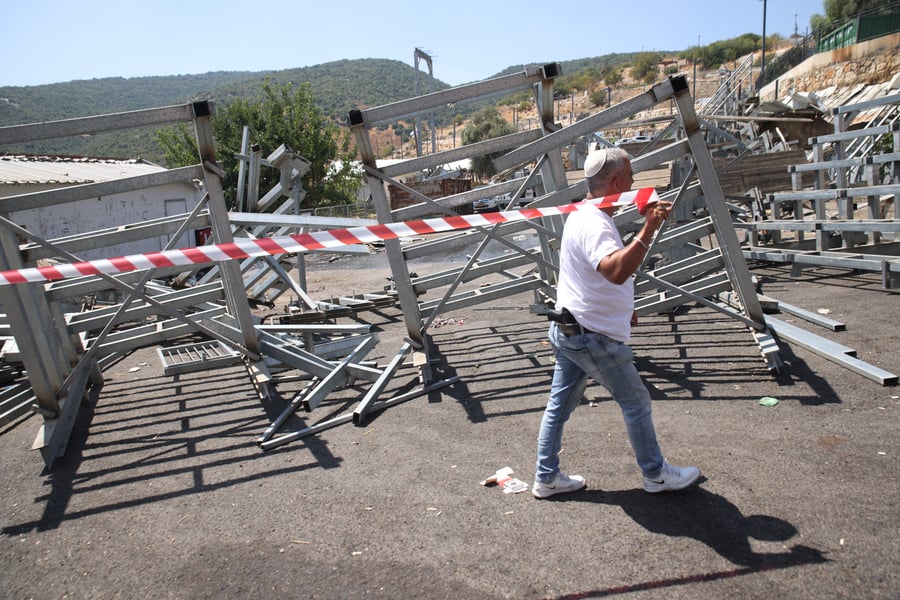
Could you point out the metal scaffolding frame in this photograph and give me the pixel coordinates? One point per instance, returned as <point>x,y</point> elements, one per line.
<point>846,171</point>
<point>682,270</point>
<point>62,350</point>
<point>58,356</point>
<point>694,259</point>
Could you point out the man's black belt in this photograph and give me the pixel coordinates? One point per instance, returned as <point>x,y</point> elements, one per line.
<point>568,329</point>
<point>566,322</point>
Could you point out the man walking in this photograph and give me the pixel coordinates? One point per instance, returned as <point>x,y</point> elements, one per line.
<point>591,327</point>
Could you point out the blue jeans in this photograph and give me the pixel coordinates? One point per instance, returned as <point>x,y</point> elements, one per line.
<point>610,363</point>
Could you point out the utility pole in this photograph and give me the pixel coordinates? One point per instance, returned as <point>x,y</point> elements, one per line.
<point>762,66</point>
<point>417,55</point>
<point>696,51</point>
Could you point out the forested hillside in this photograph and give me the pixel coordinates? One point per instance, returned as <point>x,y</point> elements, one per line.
<point>338,87</point>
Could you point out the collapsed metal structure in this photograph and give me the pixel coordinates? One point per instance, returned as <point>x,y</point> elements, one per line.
<point>61,349</point>
<point>847,171</point>
<point>203,320</point>
<point>680,269</point>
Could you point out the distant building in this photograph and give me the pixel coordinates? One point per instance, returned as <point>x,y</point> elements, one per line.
<point>20,174</point>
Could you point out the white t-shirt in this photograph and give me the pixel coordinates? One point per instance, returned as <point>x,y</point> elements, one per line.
<point>597,303</point>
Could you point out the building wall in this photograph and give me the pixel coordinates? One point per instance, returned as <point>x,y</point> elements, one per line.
<point>866,63</point>
<point>106,212</point>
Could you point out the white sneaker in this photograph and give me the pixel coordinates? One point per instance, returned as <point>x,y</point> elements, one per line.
<point>671,478</point>
<point>561,484</point>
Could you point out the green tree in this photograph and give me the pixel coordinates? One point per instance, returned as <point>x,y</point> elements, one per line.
<point>818,22</point>
<point>486,124</point>
<point>724,51</point>
<point>585,79</point>
<point>841,10</point>
<point>612,76</point>
<point>280,115</point>
<point>693,54</point>
<point>179,146</point>
<point>645,68</point>
<point>562,88</point>
<point>598,97</point>
<point>838,11</point>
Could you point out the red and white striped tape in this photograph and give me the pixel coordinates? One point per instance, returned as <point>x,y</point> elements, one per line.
<point>302,242</point>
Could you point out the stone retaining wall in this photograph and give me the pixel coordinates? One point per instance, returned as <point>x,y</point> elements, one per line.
<point>866,63</point>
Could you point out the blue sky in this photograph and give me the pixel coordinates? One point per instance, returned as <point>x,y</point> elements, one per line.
<point>51,41</point>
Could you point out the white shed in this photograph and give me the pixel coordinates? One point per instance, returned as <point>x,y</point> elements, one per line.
<point>26,174</point>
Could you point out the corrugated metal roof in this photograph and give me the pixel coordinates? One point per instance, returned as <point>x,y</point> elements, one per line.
<point>37,170</point>
<point>835,97</point>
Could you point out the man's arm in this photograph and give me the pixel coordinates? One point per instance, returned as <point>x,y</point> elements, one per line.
<point>621,264</point>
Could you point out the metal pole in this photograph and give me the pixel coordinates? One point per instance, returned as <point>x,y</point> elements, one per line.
<point>762,66</point>
<point>416,57</point>
<point>696,52</point>
<point>242,168</point>
<point>694,93</point>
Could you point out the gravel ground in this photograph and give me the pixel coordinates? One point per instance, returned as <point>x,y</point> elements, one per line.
<point>165,493</point>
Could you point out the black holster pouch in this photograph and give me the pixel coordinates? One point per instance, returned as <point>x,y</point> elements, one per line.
<point>561,315</point>
<point>566,322</point>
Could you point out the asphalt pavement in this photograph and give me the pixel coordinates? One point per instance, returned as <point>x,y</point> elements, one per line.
<point>165,493</point>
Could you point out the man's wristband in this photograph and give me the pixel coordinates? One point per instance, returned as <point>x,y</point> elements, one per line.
<point>642,243</point>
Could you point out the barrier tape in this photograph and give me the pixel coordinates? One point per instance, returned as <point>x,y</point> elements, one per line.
<point>334,238</point>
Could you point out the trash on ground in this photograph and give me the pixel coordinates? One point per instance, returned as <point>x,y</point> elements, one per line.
<point>503,478</point>
<point>768,401</point>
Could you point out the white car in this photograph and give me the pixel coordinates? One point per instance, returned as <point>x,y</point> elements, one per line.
<point>494,203</point>
<point>638,139</point>
<point>485,204</point>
